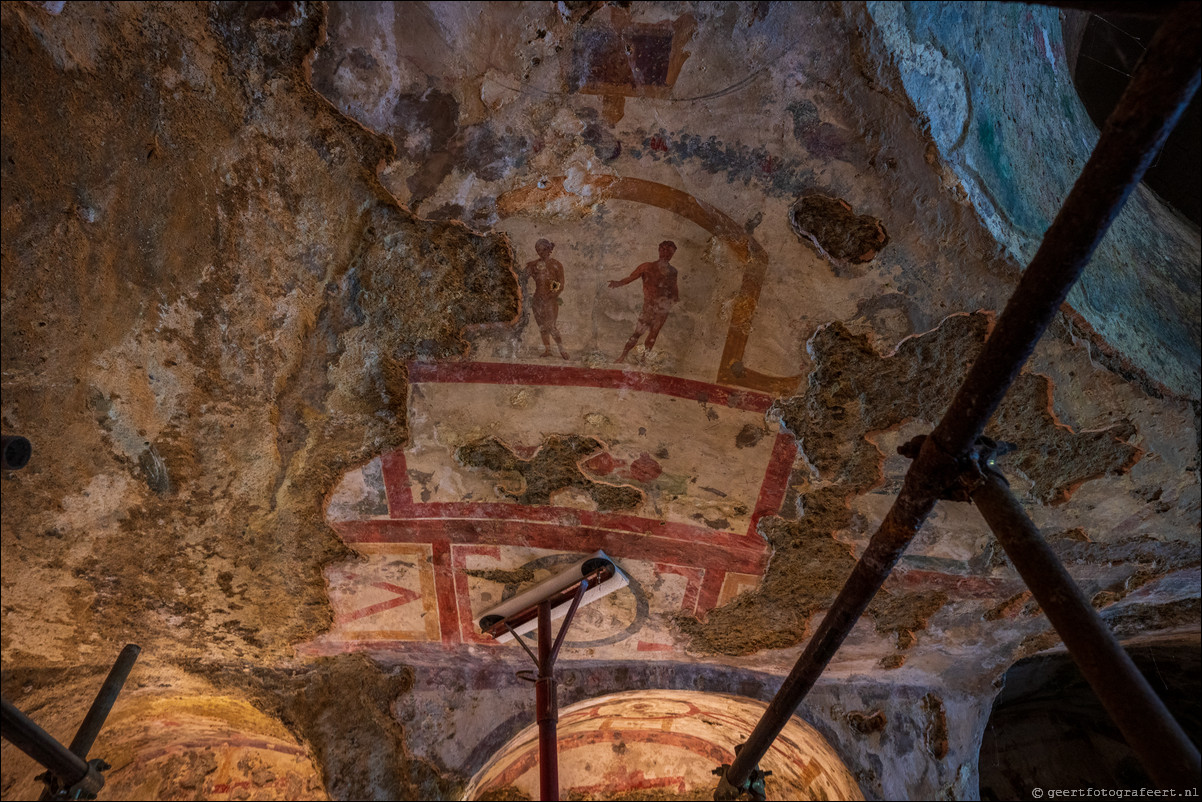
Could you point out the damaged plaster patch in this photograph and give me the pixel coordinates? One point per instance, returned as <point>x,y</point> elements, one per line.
<point>850,394</point>
<point>905,614</point>
<point>836,232</point>
<point>808,569</point>
<point>553,468</point>
<point>867,723</point>
<point>934,735</point>
<point>1054,458</point>
<point>1147,559</point>
<point>359,494</point>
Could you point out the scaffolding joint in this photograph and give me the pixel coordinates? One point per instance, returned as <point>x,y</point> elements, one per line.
<point>753,788</point>
<point>87,787</point>
<point>951,477</point>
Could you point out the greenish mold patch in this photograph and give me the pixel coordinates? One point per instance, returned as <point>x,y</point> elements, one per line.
<point>993,82</point>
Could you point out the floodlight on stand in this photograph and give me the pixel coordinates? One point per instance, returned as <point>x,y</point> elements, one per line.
<point>520,614</point>
<point>583,582</point>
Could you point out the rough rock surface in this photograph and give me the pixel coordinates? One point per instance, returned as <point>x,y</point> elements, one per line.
<point>836,231</point>
<point>212,369</point>
<point>208,299</point>
<point>852,393</point>
<point>255,254</point>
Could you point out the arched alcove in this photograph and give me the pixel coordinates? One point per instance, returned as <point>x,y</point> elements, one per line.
<point>663,744</point>
<point>177,743</point>
<point>1048,729</point>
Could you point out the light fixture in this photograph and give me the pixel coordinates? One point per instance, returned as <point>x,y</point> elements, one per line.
<point>560,596</point>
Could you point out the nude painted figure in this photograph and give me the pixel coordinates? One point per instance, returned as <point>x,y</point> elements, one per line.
<point>659,294</point>
<point>548,286</point>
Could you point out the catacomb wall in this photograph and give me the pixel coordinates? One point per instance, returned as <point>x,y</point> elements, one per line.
<point>307,393</point>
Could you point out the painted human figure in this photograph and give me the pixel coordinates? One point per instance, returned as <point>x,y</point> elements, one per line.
<point>659,294</point>
<point>548,285</point>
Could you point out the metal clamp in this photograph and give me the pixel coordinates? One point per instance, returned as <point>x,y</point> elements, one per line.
<point>962,477</point>
<point>87,787</point>
<point>753,788</point>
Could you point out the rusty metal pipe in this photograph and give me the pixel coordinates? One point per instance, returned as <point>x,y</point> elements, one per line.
<point>20,730</point>
<point>1161,88</point>
<point>909,510</point>
<point>106,697</point>
<point>546,709</point>
<point>1150,729</point>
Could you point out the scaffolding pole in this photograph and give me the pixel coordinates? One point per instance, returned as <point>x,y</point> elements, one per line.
<point>1159,92</point>
<point>1150,729</point>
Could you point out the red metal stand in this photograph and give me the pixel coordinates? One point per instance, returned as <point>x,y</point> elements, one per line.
<point>546,708</point>
<point>546,702</point>
<point>1159,92</point>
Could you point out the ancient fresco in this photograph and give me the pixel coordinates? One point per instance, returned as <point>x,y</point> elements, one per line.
<point>484,501</point>
<point>623,407</point>
<point>704,287</point>
<point>332,324</point>
<point>713,325</point>
<point>675,739</point>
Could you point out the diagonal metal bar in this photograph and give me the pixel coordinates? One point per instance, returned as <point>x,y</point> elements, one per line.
<point>106,697</point>
<point>521,642</point>
<point>1161,88</point>
<point>567,619</point>
<point>26,735</point>
<point>1150,729</point>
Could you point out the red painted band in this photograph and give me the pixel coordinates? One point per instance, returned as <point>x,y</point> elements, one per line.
<point>569,376</point>
<point>723,553</point>
<point>444,588</point>
<point>711,585</point>
<point>574,740</point>
<point>776,479</point>
<point>396,482</point>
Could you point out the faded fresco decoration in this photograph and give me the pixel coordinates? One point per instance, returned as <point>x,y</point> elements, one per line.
<point>483,502</point>
<point>675,739</point>
<point>710,322</point>
<point>334,324</point>
<point>623,408</point>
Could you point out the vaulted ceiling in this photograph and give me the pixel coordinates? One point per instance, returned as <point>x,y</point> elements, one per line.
<point>329,327</point>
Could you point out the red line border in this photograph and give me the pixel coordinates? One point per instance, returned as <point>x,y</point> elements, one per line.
<point>444,588</point>
<point>397,490</point>
<point>772,488</point>
<point>571,376</point>
<point>701,554</point>
<point>724,553</point>
<point>776,479</point>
